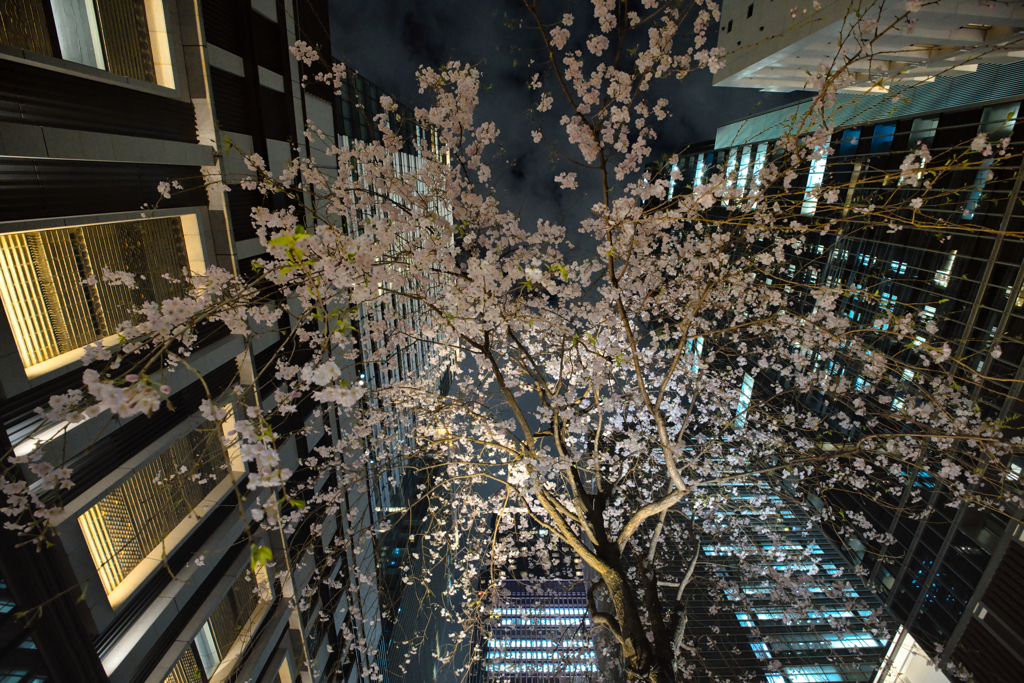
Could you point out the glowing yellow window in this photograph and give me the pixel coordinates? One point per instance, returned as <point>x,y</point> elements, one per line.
<point>52,287</point>
<point>133,527</point>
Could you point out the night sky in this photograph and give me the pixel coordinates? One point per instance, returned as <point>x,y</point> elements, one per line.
<point>386,40</point>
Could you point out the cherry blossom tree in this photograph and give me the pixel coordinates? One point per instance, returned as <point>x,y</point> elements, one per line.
<point>606,397</point>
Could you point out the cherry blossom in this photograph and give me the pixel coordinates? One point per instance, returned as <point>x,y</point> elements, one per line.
<point>543,401</point>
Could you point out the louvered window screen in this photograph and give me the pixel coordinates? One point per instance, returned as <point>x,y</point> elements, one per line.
<point>25,24</point>
<point>186,670</point>
<point>42,281</point>
<point>232,614</point>
<point>126,43</point>
<point>135,518</point>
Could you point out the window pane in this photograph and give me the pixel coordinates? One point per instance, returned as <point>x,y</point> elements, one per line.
<point>126,38</point>
<point>135,518</point>
<point>23,24</point>
<point>185,670</point>
<point>46,281</point>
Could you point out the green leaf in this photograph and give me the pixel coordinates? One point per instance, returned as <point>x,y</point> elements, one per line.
<point>261,555</point>
<point>297,504</point>
<point>282,241</point>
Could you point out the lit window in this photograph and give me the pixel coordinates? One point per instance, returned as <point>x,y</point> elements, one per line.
<point>812,674</point>
<point>228,629</point>
<point>997,121</point>
<point>746,392</point>
<point>759,159</point>
<point>698,176</point>
<point>942,274</point>
<point>881,137</point>
<point>133,520</point>
<point>186,669</point>
<point>814,179</point>
<point>848,142</point>
<point>977,188</point>
<point>922,131</point>
<point>46,281</point>
<point>741,181</point>
<point>696,345</point>
<point>125,37</point>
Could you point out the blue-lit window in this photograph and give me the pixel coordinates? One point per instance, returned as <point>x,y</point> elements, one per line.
<point>848,143</point>
<point>812,674</point>
<point>695,345</point>
<point>698,176</point>
<point>881,138</point>
<point>979,187</point>
<point>746,392</point>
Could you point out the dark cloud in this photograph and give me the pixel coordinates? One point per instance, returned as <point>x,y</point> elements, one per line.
<point>387,40</point>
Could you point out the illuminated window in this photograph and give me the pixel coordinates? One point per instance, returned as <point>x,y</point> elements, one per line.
<point>186,670</point>
<point>881,137</point>
<point>226,630</point>
<point>977,189</point>
<point>698,176</point>
<point>997,121</point>
<point>125,37</point>
<point>922,131</point>
<point>697,346</point>
<point>812,674</point>
<point>730,167</point>
<point>759,159</point>
<point>46,281</point>
<point>814,178</point>
<point>942,274</point>
<point>133,520</point>
<point>744,169</point>
<point>848,142</point>
<point>746,392</point>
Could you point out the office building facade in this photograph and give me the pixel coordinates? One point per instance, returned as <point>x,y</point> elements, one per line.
<point>949,576</point>
<point>99,102</point>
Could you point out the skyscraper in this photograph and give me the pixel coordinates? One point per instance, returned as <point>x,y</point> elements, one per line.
<point>946,574</point>
<point>100,102</point>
